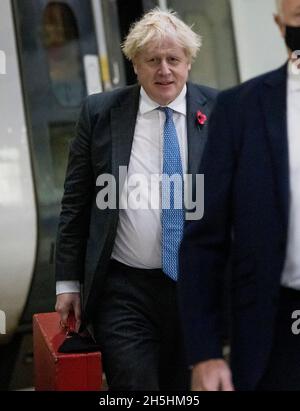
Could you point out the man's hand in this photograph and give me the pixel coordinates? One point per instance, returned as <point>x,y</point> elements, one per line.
<point>66,304</point>
<point>212,375</point>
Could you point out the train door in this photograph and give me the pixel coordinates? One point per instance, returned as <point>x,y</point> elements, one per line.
<point>59,67</point>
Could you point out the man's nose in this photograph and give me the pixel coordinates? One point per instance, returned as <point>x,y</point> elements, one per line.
<point>164,68</point>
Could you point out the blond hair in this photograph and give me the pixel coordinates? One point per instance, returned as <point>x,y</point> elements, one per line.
<point>155,26</point>
<point>279,6</point>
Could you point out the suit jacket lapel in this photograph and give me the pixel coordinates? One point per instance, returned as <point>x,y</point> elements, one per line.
<point>196,134</point>
<point>123,120</point>
<point>274,97</point>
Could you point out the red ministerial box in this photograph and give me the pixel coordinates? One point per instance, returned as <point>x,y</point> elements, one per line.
<point>55,371</point>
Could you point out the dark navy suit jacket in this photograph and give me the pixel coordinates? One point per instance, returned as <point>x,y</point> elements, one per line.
<point>246,201</point>
<point>102,144</point>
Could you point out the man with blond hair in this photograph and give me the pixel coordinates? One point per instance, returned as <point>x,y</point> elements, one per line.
<point>126,257</point>
<point>252,200</point>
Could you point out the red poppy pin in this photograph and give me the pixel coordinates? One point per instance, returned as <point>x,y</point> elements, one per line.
<point>201,118</point>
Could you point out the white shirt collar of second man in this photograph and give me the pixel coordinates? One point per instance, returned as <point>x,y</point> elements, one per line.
<point>178,105</point>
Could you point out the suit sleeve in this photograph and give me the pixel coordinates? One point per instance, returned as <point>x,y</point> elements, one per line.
<point>206,243</point>
<point>73,229</point>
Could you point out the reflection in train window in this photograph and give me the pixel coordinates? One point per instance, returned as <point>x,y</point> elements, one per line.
<point>60,137</point>
<point>61,42</point>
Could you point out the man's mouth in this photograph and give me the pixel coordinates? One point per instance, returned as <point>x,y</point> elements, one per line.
<point>164,83</point>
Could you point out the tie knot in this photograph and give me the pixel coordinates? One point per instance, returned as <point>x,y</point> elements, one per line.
<point>168,112</point>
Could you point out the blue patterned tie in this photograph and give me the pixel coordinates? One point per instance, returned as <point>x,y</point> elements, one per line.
<point>172,198</point>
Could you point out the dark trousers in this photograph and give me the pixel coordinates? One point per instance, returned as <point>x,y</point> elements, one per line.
<point>138,329</point>
<point>283,371</point>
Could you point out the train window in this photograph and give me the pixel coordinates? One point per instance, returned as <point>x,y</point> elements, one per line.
<point>216,64</point>
<point>61,42</point>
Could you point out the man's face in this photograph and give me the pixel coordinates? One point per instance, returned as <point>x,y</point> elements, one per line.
<point>290,15</point>
<point>162,70</point>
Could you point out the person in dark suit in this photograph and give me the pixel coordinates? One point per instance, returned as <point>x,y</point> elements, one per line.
<point>251,213</point>
<point>123,252</point>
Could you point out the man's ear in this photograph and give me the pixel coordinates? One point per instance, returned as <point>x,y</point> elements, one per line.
<point>134,64</point>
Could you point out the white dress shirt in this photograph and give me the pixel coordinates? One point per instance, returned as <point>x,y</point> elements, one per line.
<point>138,239</point>
<point>291,272</point>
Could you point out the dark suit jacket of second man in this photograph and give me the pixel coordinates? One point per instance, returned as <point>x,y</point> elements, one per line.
<point>246,205</point>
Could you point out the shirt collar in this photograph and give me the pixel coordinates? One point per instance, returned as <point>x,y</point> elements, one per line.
<point>293,78</point>
<point>178,105</point>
